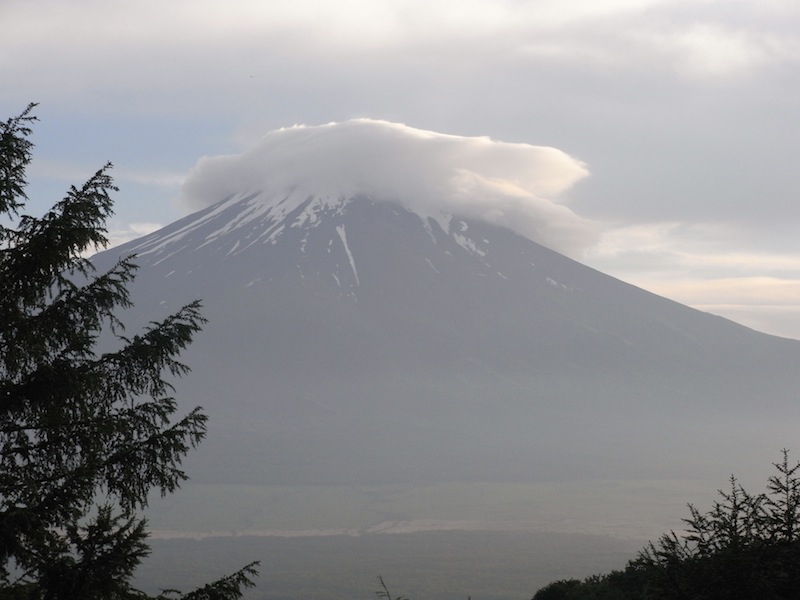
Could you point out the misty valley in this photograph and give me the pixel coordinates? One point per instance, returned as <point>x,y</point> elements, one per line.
<point>449,565</point>
<point>433,541</point>
<point>441,402</point>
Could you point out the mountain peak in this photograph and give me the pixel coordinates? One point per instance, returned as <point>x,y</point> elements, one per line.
<point>517,186</point>
<point>247,219</point>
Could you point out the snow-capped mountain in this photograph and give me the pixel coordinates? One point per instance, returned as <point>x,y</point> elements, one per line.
<point>359,341</point>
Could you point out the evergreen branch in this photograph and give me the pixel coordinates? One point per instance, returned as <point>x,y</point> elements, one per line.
<point>230,587</point>
<point>15,155</point>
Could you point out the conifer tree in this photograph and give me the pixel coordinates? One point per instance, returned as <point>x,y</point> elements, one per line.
<point>746,546</point>
<point>85,436</point>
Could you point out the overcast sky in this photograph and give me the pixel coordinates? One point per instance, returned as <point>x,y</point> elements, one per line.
<point>684,113</point>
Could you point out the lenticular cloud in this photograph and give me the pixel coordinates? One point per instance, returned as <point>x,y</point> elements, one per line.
<point>511,185</point>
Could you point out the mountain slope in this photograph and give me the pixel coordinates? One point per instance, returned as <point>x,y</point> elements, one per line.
<point>355,341</point>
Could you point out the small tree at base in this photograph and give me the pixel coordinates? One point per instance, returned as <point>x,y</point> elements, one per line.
<point>84,437</point>
<point>746,546</point>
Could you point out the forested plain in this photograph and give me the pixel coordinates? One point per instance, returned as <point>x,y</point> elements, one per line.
<point>745,545</point>
<point>443,565</point>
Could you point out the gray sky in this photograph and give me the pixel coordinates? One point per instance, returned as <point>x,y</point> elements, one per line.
<point>684,112</point>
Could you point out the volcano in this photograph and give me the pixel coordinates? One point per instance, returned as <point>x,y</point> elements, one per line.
<point>352,340</point>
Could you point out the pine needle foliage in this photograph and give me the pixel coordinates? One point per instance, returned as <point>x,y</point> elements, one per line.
<point>85,436</point>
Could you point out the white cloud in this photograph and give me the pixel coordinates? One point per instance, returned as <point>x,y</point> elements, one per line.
<point>148,45</point>
<point>513,185</point>
<point>76,173</point>
<point>709,248</point>
<point>347,21</point>
<point>119,233</point>
<point>703,49</point>
<point>768,304</point>
<point>709,267</point>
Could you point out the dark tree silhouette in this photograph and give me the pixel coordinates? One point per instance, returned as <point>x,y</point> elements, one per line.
<point>746,546</point>
<point>84,436</point>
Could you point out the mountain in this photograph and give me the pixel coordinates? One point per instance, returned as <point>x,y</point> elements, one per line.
<point>357,341</point>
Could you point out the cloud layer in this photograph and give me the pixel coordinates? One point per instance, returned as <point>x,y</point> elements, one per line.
<point>513,185</point>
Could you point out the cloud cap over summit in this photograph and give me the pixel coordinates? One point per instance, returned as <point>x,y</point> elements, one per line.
<point>519,186</point>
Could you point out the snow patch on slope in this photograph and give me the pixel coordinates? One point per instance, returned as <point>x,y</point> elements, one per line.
<point>468,244</point>
<point>262,215</point>
<point>343,236</point>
